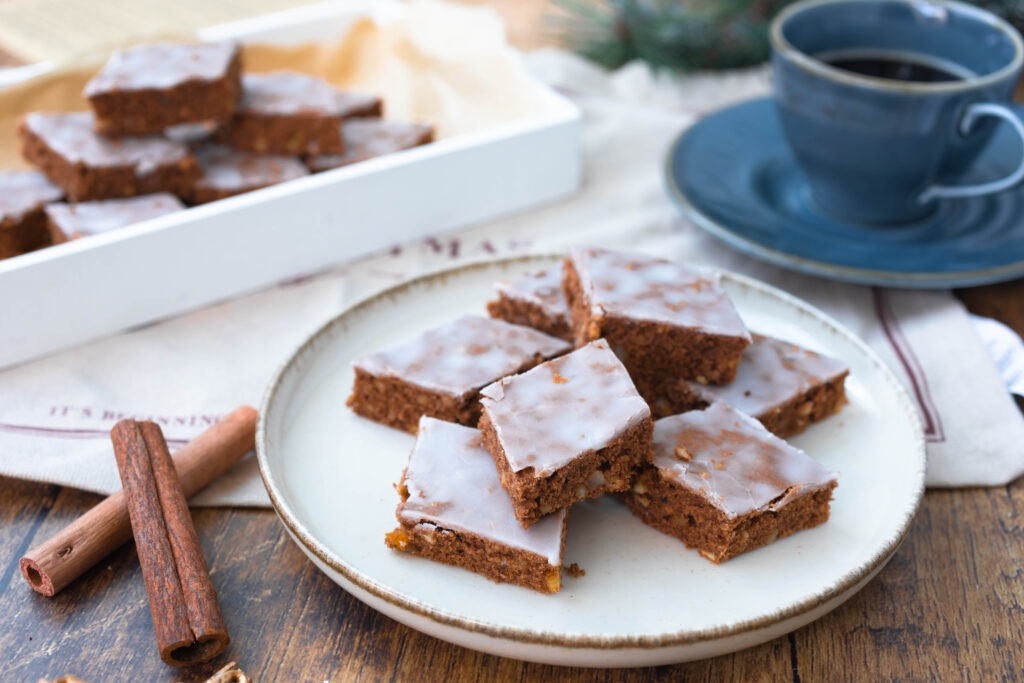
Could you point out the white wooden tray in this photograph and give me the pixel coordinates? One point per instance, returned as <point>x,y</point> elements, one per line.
<point>74,292</point>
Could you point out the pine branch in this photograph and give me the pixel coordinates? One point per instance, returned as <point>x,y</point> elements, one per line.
<point>687,35</point>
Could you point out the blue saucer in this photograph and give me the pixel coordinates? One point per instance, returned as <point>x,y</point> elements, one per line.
<point>734,176</point>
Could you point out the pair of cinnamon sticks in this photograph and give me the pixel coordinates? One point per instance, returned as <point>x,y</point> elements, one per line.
<point>152,506</point>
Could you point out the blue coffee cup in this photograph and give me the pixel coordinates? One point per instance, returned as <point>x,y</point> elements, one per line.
<point>885,102</point>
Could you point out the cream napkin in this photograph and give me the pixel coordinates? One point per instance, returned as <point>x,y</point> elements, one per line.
<point>55,413</point>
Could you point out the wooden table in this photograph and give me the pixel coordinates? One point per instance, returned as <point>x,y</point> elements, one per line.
<point>949,605</point>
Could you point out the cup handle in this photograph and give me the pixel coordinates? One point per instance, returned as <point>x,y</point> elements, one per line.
<point>975,112</point>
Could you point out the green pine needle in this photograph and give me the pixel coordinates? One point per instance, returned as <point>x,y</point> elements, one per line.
<point>687,35</point>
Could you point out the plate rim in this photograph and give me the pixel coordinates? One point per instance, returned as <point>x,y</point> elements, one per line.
<point>577,641</point>
<point>832,271</point>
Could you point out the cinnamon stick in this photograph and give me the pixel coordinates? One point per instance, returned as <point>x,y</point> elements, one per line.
<point>186,617</point>
<point>58,561</point>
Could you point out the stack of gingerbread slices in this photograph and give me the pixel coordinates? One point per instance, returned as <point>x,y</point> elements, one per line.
<point>552,401</point>
<point>172,125</point>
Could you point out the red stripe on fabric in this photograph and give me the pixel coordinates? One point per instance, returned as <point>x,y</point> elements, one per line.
<point>911,365</point>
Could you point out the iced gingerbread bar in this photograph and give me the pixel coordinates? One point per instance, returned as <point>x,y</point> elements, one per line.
<point>366,138</point>
<point>88,166</point>
<point>440,372</point>
<point>569,429</point>
<point>662,318</point>
<point>783,385</point>
<point>227,172</point>
<point>291,113</point>
<point>535,300</point>
<point>454,510</point>
<point>23,194</point>
<point>145,89</point>
<point>723,484</point>
<point>72,221</point>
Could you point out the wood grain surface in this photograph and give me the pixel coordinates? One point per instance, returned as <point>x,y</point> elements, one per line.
<point>949,606</point>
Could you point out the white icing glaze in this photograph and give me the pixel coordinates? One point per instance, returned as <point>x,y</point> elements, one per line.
<point>368,138</point>
<point>191,133</point>
<point>772,372</point>
<point>735,463</point>
<point>229,169</point>
<point>462,356</point>
<point>453,483</point>
<point>546,417</point>
<point>23,191</point>
<point>162,65</point>
<point>543,289</point>
<point>644,288</point>
<point>72,136</point>
<point>87,218</point>
<point>284,93</point>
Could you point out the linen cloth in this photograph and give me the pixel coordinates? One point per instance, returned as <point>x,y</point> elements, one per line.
<point>55,413</point>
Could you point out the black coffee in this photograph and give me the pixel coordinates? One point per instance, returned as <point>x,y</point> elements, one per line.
<point>893,68</point>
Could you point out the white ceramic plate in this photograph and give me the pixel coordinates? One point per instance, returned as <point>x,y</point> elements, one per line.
<point>645,599</point>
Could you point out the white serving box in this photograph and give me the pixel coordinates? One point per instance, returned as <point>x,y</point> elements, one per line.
<point>81,290</point>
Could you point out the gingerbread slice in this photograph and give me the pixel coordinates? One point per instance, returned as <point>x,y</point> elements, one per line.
<point>440,372</point>
<point>88,166</point>
<point>723,484</point>
<point>293,114</point>
<point>783,385</point>
<point>23,194</point>
<point>145,89</point>
<point>454,511</point>
<point>535,300</point>
<point>229,172</point>
<point>662,318</point>
<point>367,138</point>
<point>567,430</point>
<point>73,221</point>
